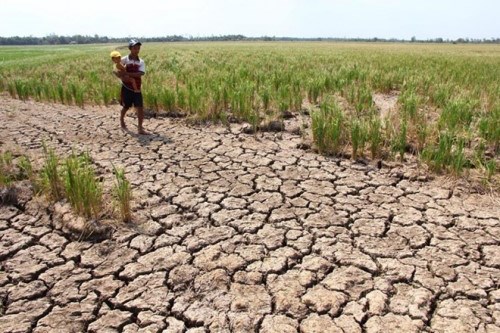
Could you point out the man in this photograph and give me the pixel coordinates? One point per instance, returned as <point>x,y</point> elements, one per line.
<point>135,68</point>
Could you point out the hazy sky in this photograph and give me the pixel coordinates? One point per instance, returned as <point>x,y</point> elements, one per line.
<point>423,19</point>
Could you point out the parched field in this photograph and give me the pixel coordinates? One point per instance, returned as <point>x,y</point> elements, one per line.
<point>309,188</point>
<point>238,233</point>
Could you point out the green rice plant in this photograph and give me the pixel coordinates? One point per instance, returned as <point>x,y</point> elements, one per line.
<point>480,161</point>
<point>422,129</point>
<point>314,91</point>
<point>489,127</point>
<point>458,160</point>
<point>359,96</point>
<point>151,100</point>
<point>359,137</point>
<point>409,102</point>
<point>447,154</point>
<point>181,97</point>
<point>51,181</point>
<point>10,171</point>
<point>6,159</point>
<point>11,88</point>
<point>79,96</point>
<point>400,142</point>
<point>38,92</point>
<point>194,99</point>
<point>491,169</point>
<point>375,137</point>
<point>22,89</point>
<point>364,99</point>
<point>83,190</point>
<point>242,102</point>
<point>213,103</point>
<point>457,114</point>
<point>25,168</point>
<point>49,93</point>
<point>225,98</point>
<point>328,127</point>
<point>60,92</point>
<point>122,194</point>
<point>167,99</point>
<point>382,82</point>
<point>439,156</point>
<point>284,99</point>
<point>442,95</point>
<point>265,96</point>
<point>106,94</point>
<point>72,90</point>
<point>296,98</point>
<point>68,96</point>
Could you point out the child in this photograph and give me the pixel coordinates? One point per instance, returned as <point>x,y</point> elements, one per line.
<point>121,71</point>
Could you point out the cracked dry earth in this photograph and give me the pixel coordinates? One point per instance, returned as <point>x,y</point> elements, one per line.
<point>241,234</point>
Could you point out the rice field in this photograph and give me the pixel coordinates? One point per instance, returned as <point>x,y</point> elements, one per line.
<point>447,111</point>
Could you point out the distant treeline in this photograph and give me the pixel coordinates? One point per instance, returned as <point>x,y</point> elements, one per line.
<point>80,39</point>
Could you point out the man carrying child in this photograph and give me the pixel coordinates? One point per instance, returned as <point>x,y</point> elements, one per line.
<point>130,70</point>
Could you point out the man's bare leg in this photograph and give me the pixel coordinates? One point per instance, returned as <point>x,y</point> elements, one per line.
<point>122,117</point>
<point>140,118</point>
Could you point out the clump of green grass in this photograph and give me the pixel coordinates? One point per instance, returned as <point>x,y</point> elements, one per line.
<point>25,168</point>
<point>106,94</point>
<point>375,137</point>
<point>491,168</point>
<point>328,127</point>
<point>13,170</point>
<point>359,136</point>
<point>360,96</point>
<point>83,190</point>
<point>77,94</point>
<point>22,89</point>
<point>457,114</point>
<point>51,181</point>
<point>399,141</point>
<point>122,194</point>
<point>447,154</point>
<point>167,99</point>
<point>409,101</point>
<point>75,180</point>
<point>489,128</point>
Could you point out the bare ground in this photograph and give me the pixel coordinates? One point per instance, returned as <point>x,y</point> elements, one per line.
<point>236,233</point>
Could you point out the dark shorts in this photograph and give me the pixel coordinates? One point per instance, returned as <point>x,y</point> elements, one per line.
<point>130,98</point>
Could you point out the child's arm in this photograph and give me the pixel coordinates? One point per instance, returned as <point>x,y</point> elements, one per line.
<point>120,66</point>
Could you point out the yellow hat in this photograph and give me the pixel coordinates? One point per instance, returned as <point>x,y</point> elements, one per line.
<point>115,54</point>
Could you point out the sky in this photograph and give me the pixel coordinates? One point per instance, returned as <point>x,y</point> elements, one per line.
<point>401,19</point>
